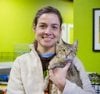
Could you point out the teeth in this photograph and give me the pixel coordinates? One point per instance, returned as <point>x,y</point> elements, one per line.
<point>46,37</point>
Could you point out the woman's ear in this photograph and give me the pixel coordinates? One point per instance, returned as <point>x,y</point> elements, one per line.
<point>61,28</point>
<point>33,27</point>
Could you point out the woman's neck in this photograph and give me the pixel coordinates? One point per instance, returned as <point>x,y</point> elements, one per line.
<point>43,50</point>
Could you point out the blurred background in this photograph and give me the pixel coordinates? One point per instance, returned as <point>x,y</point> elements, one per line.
<point>16,33</point>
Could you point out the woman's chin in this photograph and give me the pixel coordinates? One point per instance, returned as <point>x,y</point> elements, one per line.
<point>47,45</point>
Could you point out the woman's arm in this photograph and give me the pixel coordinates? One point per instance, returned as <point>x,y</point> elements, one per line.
<point>15,85</point>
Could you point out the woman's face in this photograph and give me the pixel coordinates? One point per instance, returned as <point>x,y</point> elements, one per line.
<point>47,30</point>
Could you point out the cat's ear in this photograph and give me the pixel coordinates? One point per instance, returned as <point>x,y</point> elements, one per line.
<point>75,44</point>
<point>61,41</point>
<point>59,45</point>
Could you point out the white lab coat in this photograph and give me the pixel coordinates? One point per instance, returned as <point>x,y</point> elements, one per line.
<point>26,77</point>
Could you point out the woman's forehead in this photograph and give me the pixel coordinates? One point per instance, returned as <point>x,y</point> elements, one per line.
<point>50,18</point>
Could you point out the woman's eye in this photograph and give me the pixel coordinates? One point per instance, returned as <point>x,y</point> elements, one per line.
<point>54,27</point>
<point>42,26</point>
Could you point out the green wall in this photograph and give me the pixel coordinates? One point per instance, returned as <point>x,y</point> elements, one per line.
<point>16,26</point>
<point>83,31</point>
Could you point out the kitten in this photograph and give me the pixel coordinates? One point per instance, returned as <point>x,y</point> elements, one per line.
<point>64,53</point>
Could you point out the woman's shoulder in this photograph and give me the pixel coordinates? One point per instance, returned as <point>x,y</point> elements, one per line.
<point>24,57</point>
<point>25,60</point>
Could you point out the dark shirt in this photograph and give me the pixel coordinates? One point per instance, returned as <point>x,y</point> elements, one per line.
<point>45,62</point>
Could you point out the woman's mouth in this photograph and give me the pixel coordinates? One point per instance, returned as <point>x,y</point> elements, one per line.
<point>47,38</point>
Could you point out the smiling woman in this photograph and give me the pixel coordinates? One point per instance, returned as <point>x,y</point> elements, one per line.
<point>29,70</point>
<point>47,30</point>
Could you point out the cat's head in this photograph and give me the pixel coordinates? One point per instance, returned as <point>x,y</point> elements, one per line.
<point>69,50</point>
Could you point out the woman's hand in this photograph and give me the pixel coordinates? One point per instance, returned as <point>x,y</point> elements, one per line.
<point>58,76</point>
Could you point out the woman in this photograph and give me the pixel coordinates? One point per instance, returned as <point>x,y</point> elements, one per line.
<point>28,72</point>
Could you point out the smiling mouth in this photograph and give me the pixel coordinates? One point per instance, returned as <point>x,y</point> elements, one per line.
<point>48,37</point>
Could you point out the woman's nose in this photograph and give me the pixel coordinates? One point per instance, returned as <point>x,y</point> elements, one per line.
<point>48,31</point>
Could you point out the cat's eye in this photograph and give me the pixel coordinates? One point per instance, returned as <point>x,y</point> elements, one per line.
<point>64,50</point>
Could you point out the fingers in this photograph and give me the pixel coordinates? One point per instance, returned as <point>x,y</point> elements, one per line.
<point>52,71</point>
<point>58,71</point>
<point>67,67</point>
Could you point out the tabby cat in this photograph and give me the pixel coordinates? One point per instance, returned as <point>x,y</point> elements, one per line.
<point>64,53</point>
